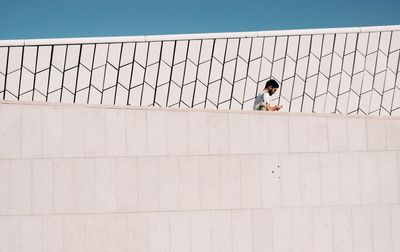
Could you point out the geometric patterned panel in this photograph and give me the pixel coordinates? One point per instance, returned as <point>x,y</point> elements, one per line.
<point>325,72</point>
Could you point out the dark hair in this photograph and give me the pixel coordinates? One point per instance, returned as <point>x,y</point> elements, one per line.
<point>272,83</point>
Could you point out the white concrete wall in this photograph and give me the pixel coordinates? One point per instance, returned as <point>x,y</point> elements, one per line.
<point>87,178</point>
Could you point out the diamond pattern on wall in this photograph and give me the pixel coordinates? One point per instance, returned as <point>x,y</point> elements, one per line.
<point>346,73</point>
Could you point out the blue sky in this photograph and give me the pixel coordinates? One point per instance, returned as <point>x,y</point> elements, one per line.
<point>79,18</point>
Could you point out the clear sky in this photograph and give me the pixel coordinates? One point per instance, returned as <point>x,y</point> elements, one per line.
<point>87,18</point>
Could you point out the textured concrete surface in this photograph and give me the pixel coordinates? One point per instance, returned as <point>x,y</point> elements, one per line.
<point>98,178</point>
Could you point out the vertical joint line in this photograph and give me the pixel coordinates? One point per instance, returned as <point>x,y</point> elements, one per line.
<point>62,80</point>
<point>283,69</point>
<point>158,73</point>
<point>259,68</point>
<point>319,72</point>
<point>20,73</point>
<point>130,78</point>
<point>330,71</point>
<point>247,73</point>
<point>386,69</point>
<point>77,71</point>
<point>91,73</point>
<point>209,73</point>
<point>144,74</point>
<point>222,73</point>
<point>341,71</point>
<point>34,78</point>
<point>197,73</point>
<point>170,73</point>
<point>6,76</point>
<point>294,74</point>
<point>119,70</point>
<point>373,78</point>
<point>352,73</point>
<point>234,73</point>
<point>305,81</point>
<point>104,75</point>
<point>49,75</point>
<point>184,73</point>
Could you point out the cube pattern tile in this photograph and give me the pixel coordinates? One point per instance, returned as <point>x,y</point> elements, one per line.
<point>344,73</point>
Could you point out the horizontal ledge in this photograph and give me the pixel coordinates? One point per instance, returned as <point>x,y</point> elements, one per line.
<point>12,42</point>
<point>215,155</point>
<point>198,110</point>
<point>173,37</point>
<point>266,208</point>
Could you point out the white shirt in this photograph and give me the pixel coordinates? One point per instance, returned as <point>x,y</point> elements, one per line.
<point>262,98</point>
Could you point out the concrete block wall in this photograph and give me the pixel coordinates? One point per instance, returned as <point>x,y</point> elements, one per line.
<point>98,178</point>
